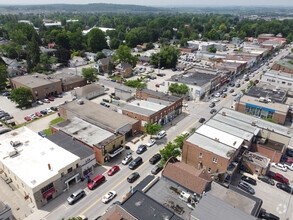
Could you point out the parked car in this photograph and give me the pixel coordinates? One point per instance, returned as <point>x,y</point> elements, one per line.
<point>225,90</point>
<point>231,91</point>
<point>157,169</point>
<point>134,176</point>
<point>161,134</point>
<point>268,216</point>
<point>215,100</point>
<point>237,85</point>
<point>43,112</point>
<point>185,133</point>
<point>279,166</point>
<point>74,197</point>
<point>266,179</point>
<point>38,114</point>
<point>289,166</point>
<point>279,177</point>
<point>45,101</point>
<point>289,160</point>
<point>109,196</point>
<point>285,187</point>
<point>289,152</point>
<point>51,98</point>
<point>212,104</point>
<point>42,134</point>
<point>155,158</point>
<point>151,142</point>
<point>54,108</point>
<point>201,120</point>
<point>102,103</point>
<point>127,159</point>
<point>27,118</point>
<point>4,130</point>
<point>48,110</point>
<point>224,95</point>
<point>246,187</point>
<point>249,180</point>
<point>213,111</point>
<point>141,148</point>
<point>113,170</point>
<point>135,163</point>
<point>40,102</point>
<point>96,181</point>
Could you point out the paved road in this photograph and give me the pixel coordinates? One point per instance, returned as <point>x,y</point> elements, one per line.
<point>91,206</point>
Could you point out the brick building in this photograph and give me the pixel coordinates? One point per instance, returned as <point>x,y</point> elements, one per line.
<point>153,110</point>
<point>103,64</point>
<point>69,81</point>
<point>283,65</point>
<point>40,85</point>
<point>125,69</point>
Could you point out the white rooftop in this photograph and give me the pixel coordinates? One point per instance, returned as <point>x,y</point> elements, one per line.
<point>149,105</point>
<point>30,164</point>
<point>220,136</point>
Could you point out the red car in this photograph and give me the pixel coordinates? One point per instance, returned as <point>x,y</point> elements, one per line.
<point>50,98</point>
<point>113,170</point>
<point>27,118</point>
<point>289,160</point>
<point>279,177</point>
<point>38,114</point>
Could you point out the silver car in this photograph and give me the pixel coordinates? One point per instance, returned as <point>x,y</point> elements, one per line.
<point>74,197</point>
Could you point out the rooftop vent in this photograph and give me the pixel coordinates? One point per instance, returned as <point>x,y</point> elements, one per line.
<point>224,113</point>
<point>253,123</point>
<point>217,139</point>
<point>15,143</point>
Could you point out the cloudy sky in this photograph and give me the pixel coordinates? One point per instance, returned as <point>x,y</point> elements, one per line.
<point>166,3</point>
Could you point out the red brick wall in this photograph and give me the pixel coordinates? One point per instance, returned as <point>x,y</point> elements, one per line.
<point>253,167</point>
<point>127,72</point>
<point>187,50</point>
<point>73,85</point>
<point>63,112</point>
<point>278,67</point>
<point>190,155</point>
<point>269,153</point>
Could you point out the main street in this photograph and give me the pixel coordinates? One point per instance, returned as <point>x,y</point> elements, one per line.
<point>91,205</point>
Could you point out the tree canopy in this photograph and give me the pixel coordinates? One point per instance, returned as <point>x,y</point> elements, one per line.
<point>3,77</point>
<point>89,74</point>
<point>96,40</point>
<point>152,129</point>
<point>167,57</point>
<point>21,96</point>
<point>124,55</point>
<point>175,88</point>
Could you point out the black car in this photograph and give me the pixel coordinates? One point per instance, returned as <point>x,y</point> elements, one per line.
<point>268,216</point>
<point>157,169</point>
<point>225,90</point>
<point>212,104</point>
<point>289,152</point>
<point>201,120</point>
<point>232,84</point>
<point>213,111</point>
<point>221,92</point>
<point>249,180</point>
<point>237,85</point>
<point>285,187</point>
<point>155,158</point>
<point>224,95</point>
<point>161,74</point>
<point>54,108</point>
<point>232,90</point>
<point>102,103</point>
<point>266,179</point>
<point>134,176</point>
<point>246,187</point>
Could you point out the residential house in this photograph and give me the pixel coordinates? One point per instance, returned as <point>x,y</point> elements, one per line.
<point>103,64</point>
<point>125,69</point>
<point>77,61</point>
<point>143,60</point>
<point>91,56</point>
<point>108,52</point>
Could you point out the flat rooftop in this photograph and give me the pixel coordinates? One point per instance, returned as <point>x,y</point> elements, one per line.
<point>195,79</point>
<point>267,91</point>
<point>238,132</point>
<point>284,63</point>
<point>100,116</point>
<point>288,77</point>
<point>71,145</point>
<point>67,78</point>
<point>162,95</point>
<point>259,123</point>
<point>30,164</point>
<point>211,145</point>
<point>270,106</point>
<point>125,88</point>
<point>220,136</point>
<point>84,131</point>
<point>143,107</point>
<point>35,80</point>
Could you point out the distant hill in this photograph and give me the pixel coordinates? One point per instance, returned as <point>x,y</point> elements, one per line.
<point>89,8</point>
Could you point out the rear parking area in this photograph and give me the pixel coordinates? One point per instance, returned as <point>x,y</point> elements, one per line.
<point>275,201</point>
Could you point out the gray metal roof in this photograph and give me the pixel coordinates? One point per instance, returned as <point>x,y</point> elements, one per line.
<point>190,79</point>
<point>161,95</point>
<point>210,207</point>
<point>125,88</point>
<point>35,80</point>
<point>73,146</point>
<point>159,101</point>
<point>138,110</point>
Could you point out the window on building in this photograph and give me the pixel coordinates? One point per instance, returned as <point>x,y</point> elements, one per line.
<point>47,188</point>
<point>209,170</point>
<point>283,82</point>
<point>121,141</point>
<point>289,84</point>
<point>200,155</point>
<point>69,170</point>
<point>215,160</point>
<point>62,174</point>
<point>77,165</point>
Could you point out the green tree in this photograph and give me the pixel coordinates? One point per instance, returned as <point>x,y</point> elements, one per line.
<point>179,140</point>
<point>289,38</point>
<point>223,28</point>
<point>183,42</point>
<point>33,53</point>
<point>115,43</point>
<point>170,150</point>
<point>150,46</point>
<point>213,34</point>
<point>96,40</point>
<point>167,57</point>
<point>3,77</point>
<point>62,40</point>
<point>44,62</point>
<point>63,55</point>
<point>131,40</point>
<point>124,55</point>
<point>135,84</point>
<point>89,74</point>
<point>100,56</point>
<point>212,50</point>
<point>175,88</point>
<point>152,129</point>
<point>110,68</point>
<point>21,96</point>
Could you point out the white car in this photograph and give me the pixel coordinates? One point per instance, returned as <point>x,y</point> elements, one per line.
<point>185,133</point>
<point>109,196</point>
<point>40,102</point>
<point>216,100</point>
<point>46,100</point>
<point>48,110</point>
<point>218,95</point>
<point>127,159</point>
<point>161,134</point>
<point>234,94</point>
<point>151,142</point>
<point>289,166</point>
<point>279,166</point>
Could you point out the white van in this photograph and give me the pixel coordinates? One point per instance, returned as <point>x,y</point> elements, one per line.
<point>161,134</point>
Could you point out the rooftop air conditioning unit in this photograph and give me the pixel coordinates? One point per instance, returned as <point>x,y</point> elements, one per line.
<point>12,153</point>
<point>223,113</point>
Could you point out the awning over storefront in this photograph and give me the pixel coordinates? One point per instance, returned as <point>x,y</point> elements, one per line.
<point>49,193</point>
<point>115,152</point>
<point>76,175</point>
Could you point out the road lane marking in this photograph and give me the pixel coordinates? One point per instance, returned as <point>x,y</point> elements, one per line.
<point>88,208</point>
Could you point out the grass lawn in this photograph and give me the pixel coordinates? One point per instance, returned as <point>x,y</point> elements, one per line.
<point>117,78</point>
<point>54,121</point>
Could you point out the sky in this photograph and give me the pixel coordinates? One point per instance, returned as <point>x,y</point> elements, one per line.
<point>164,3</point>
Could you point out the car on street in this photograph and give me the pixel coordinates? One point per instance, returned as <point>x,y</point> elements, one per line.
<point>27,118</point>
<point>155,158</point>
<point>54,108</point>
<point>225,90</point>
<point>249,180</point>
<point>289,152</point>
<point>268,216</point>
<point>113,170</point>
<point>289,166</point>
<point>42,134</point>
<point>279,166</point>
<point>201,120</point>
<point>234,94</point>
<point>102,103</point>
<point>96,181</point>
<point>134,176</point>
<point>224,95</point>
<point>216,100</point>
<point>266,179</point>
<point>109,196</point>
<point>161,134</point>
<point>127,159</point>
<point>74,197</point>
<point>212,104</point>
<point>48,110</point>
<point>213,111</point>
<point>157,169</point>
<point>45,101</point>
<point>185,133</point>
<point>247,188</point>
<point>38,114</point>
<point>141,148</point>
<point>231,91</point>
<point>279,177</point>
<point>50,98</point>
<point>33,116</point>
<point>43,112</point>
<point>237,85</point>
<point>151,142</point>
<point>285,187</point>
<point>40,102</point>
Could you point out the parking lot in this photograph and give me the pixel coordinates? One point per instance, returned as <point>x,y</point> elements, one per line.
<point>275,200</point>
<point>19,114</point>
